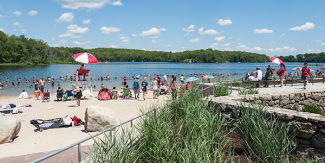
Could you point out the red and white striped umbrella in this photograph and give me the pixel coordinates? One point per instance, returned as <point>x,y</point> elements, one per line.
<point>275,60</point>
<point>85,58</point>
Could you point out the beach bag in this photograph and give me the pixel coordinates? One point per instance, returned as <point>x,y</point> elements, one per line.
<point>66,121</point>
<point>136,85</point>
<point>65,96</point>
<point>76,121</point>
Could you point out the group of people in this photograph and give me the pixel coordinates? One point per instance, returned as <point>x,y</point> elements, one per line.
<point>269,73</point>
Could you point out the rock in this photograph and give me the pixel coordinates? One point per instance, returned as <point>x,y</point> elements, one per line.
<point>227,115</point>
<point>275,97</point>
<point>221,106</point>
<point>291,96</point>
<point>319,140</point>
<point>297,97</point>
<point>284,97</point>
<point>307,152</point>
<point>316,97</point>
<point>271,103</point>
<point>276,102</point>
<point>98,118</point>
<point>304,141</point>
<point>322,130</point>
<point>307,95</point>
<point>304,129</point>
<point>284,116</point>
<point>284,102</point>
<point>236,111</point>
<point>9,127</point>
<point>301,103</point>
<point>295,106</point>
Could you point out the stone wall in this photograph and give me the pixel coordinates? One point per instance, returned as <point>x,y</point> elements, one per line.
<point>310,127</point>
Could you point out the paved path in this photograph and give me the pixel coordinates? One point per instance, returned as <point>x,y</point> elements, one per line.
<point>68,156</point>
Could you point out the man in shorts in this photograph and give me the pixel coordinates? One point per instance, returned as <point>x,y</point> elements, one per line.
<point>42,84</point>
<point>304,74</point>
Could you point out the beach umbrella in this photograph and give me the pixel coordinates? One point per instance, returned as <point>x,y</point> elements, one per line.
<point>297,68</point>
<point>208,77</point>
<point>191,79</point>
<point>275,60</point>
<point>85,58</point>
<point>323,68</point>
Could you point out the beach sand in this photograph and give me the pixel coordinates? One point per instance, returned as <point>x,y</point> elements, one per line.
<point>29,142</point>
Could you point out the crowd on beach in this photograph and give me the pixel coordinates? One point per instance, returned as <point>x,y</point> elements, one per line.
<point>270,73</point>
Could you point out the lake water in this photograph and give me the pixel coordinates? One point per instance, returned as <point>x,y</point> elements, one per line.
<point>120,69</point>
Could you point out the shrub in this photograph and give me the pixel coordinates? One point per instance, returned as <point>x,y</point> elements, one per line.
<point>313,109</point>
<point>249,90</point>
<point>265,138</point>
<point>221,90</point>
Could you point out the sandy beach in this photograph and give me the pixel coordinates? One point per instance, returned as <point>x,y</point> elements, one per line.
<point>29,142</point>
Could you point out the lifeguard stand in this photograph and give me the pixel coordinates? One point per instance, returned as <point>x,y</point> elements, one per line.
<point>83,79</point>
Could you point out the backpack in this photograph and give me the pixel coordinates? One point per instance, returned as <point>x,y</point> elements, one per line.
<point>136,85</point>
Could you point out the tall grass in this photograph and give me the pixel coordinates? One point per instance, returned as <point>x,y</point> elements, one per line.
<point>313,109</point>
<point>221,90</point>
<point>249,90</point>
<point>266,139</point>
<point>186,130</point>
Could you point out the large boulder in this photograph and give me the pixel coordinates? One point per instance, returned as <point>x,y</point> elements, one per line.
<point>9,128</point>
<point>310,153</point>
<point>319,141</point>
<point>304,129</point>
<point>98,118</point>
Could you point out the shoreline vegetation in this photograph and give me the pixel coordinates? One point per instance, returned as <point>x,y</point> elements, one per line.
<point>19,50</point>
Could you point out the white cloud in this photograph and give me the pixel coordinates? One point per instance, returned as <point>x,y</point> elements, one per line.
<point>230,38</point>
<point>15,30</point>
<point>312,51</point>
<point>152,33</point>
<point>32,12</point>
<point>106,30</point>
<point>273,42</point>
<point>153,41</point>
<point>69,35</point>
<point>308,45</point>
<point>79,43</point>
<point>178,42</point>
<point>187,34</point>
<point>209,32</point>
<point>89,4</point>
<point>2,30</point>
<point>88,41</point>
<point>86,21</point>
<point>239,43</point>
<point>242,47</point>
<point>257,49</point>
<point>222,38</point>
<point>134,35</point>
<point>17,24</point>
<point>126,41</point>
<point>224,22</point>
<point>23,30</point>
<point>74,29</point>
<point>195,40</point>
<point>2,16</point>
<point>282,35</point>
<point>239,38</point>
<point>17,13</point>
<point>168,45</point>
<point>189,28</point>
<point>283,49</point>
<point>124,38</point>
<point>213,45</point>
<point>228,49</point>
<point>184,47</point>
<point>319,27</point>
<point>306,26</point>
<point>65,18</point>
<point>61,43</point>
<point>258,31</point>
<point>318,40</point>
<point>322,43</point>
<point>53,38</point>
<point>0,7</point>
<point>114,46</point>
<point>227,44</point>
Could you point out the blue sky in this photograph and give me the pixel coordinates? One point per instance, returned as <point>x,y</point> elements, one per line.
<point>268,27</point>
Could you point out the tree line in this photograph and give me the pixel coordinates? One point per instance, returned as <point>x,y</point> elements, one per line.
<point>19,49</point>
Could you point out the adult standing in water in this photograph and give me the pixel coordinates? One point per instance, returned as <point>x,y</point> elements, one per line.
<point>125,78</point>
<point>144,87</point>
<point>36,85</point>
<point>281,73</point>
<point>42,84</point>
<point>78,94</point>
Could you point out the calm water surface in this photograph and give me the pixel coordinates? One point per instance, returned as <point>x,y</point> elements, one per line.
<point>120,69</point>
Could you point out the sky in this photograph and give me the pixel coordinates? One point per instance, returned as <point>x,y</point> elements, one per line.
<point>274,27</point>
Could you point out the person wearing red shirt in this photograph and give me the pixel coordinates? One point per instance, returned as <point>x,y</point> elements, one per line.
<point>304,74</point>
<point>281,73</point>
<point>124,79</point>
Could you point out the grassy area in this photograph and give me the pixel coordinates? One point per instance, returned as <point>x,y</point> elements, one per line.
<point>221,90</point>
<point>313,109</point>
<point>189,130</point>
<point>30,63</point>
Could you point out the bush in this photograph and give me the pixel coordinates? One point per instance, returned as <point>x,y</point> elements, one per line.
<point>221,90</point>
<point>249,90</point>
<point>266,139</point>
<point>313,109</point>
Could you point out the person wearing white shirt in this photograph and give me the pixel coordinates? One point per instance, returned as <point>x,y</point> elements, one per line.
<point>165,78</point>
<point>259,73</point>
<point>252,78</point>
<point>23,95</point>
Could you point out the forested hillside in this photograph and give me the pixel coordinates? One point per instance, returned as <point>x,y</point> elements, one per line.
<point>19,49</point>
